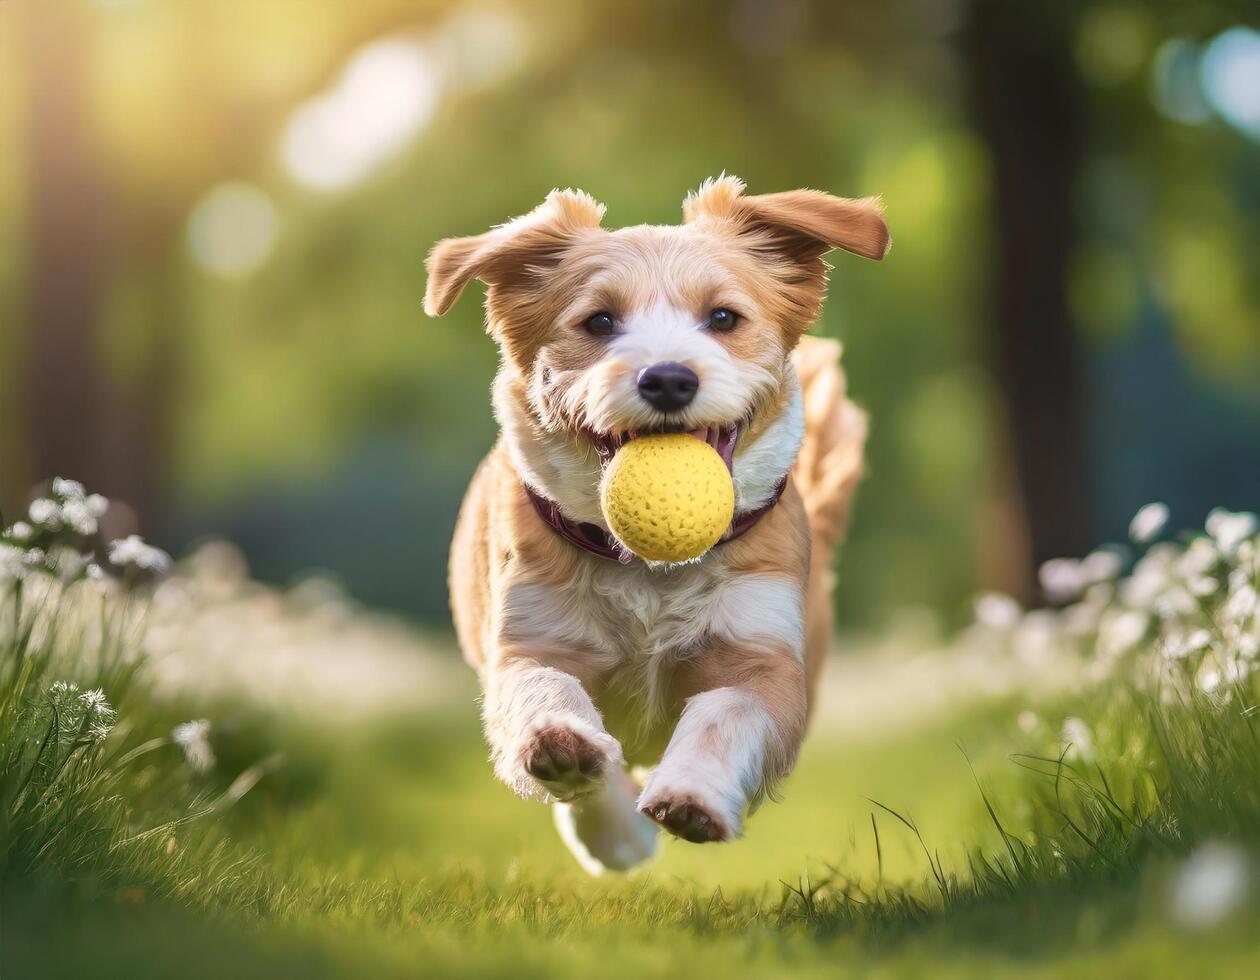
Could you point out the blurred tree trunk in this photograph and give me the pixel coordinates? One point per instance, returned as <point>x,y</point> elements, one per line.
<point>1028,112</point>
<point>76,420</point>
<point>62,385</point>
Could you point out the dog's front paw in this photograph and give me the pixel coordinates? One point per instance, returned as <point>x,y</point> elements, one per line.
<point>567,761</point>
<point>686,817</point>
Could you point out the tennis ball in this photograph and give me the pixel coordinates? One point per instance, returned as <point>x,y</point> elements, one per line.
<point>667,497</point>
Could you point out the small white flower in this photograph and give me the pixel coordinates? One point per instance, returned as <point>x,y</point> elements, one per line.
<point>1120,630</point>
<point>69,564</point>
<point>997,611</point>
<point>12,562</point>
<point>1148,522</point>
<point>45,513</point>
<point>69,489</point>
<point>1203,586</point>
<point>96,505</point>
<point>98,713</point>
<point>94,571</point>
<point>94,699</point>
<point>1102,565</point>
<point>194,738</point>
<point>1081,619</point>
<point>132,550</point>
<point>21,531</point>
<point>100,731</point>
<point>1076,739</point>
<point>1210,885</point>
<point>1034,638</point>
<point>1241,605</point>
<point>1230,529</point>
<point>1028,721</point>
<point>1151,576</point>
<point>79,516</point>
<point>1175,604</point>
<point>1062,579</point>
<point>1179,645</point>
<point>1199,558</point>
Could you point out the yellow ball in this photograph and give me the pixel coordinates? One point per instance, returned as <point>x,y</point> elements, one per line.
<point>668,497</point>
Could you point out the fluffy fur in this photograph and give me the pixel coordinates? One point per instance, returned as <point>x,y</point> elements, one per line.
<point>704,669</point>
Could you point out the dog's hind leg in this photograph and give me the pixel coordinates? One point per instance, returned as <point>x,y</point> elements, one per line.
<point>605,830</point>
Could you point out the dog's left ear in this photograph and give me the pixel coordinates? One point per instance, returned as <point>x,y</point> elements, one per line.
<point>802,224</point>
<point>514,251</point>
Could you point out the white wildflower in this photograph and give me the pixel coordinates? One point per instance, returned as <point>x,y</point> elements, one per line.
<point>1120,630</point>
<point>21,531</point>
<point>68,489</point>
<point>1199,558</point>
<point>997,611</point>
<point>1062,579</point>
<point>45,513</point>
<point>1102,565</point>
<point>70,564</point>
<point>132,550</point>
<point>96,505</point>
<point>1178,645</point>
<point>97,713</point>
<point>1212,676</point>
<point>1241,605</point>
<point>1248,646</point>
<point>1175,604</point>
<point>99,731</point>
<point>1081,619</point>
<point>12,562</point>
<point>77,514</point>
<point>194,738</point>
<point>1229,529</point>
<point>1028,721</point>
<point>1148,522</point>
<point>1211,884</point>
<point>1151,576</point>
<point>1076,740</point>
<point>1033,640</point>
<point>1203,586</point>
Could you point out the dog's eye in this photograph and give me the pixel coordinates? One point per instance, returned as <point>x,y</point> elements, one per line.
<point>723,319</point>
<point>601,324</point>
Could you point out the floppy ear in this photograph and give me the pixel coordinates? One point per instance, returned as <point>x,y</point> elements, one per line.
<point>803,224</point>
<point>513,251</point>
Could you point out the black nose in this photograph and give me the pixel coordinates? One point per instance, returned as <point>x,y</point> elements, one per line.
<point>668,386</point>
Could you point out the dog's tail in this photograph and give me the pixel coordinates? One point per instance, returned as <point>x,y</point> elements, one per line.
<point>830,462</point>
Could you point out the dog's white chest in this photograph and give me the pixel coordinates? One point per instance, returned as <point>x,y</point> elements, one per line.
<point>647,613</point>
<point>619,613</point>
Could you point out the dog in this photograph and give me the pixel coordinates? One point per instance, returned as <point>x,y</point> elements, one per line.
<point>592,660</point>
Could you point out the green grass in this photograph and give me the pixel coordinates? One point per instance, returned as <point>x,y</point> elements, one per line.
<point>956,845</point>
<point>399,850</point>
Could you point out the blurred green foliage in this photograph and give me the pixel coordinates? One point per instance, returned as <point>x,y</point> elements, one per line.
<point>293,393</point>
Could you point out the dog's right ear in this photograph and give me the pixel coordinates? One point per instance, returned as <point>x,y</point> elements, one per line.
<point>523,247</point>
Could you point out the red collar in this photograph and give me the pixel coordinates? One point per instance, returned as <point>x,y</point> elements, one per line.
<point>593,538</point>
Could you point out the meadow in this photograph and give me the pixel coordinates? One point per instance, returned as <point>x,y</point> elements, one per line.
<point>204,776</point>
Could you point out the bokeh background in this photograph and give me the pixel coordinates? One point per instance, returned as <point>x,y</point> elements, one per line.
<point>214,219</point>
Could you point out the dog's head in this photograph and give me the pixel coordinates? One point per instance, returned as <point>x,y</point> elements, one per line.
<point>607,335</point>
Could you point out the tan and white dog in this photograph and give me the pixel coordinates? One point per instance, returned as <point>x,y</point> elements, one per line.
<point>589,663</point>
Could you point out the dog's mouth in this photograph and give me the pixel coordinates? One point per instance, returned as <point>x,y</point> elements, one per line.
<point>720,437</point>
